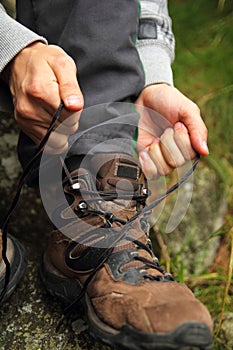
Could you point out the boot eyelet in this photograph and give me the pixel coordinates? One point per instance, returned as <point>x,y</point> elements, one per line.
<point>76,186</point>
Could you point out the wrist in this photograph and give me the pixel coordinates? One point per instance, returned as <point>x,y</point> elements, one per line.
<point>5,74</point>
<point>35,45</point>
<point>156,88</point>
<point>157,85</point>
<point>22,54</point>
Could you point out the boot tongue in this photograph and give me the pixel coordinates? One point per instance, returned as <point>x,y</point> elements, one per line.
<point>121,173</point>
<point>116,172</point>
<point>118,175</point>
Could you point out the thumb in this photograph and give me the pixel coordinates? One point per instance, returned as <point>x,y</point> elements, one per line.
<point>69,89</point>
<point>73,101</point>
<point>199,142</point>
<point>71,94</point>
<point>193,121</point>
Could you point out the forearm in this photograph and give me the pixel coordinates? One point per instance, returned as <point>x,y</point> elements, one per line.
<point>156,42</point>
<point>13,38</point>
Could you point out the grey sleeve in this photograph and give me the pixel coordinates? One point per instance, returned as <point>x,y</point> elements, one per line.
<point>13,38</point>
<point>156,43</point>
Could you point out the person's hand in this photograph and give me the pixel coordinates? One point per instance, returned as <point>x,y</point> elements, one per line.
<point>39,77</point>
<point>166,143</point>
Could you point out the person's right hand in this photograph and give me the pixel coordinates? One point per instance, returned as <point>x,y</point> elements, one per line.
<point>168,139</point>
<point>39,77</point>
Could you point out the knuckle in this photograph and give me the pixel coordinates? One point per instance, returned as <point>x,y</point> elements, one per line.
<point>58,141</point>
<point>73,128</point>
<point>192,155</point>
<point>69,86</point>
<point>172,163</point>
<point>166,171</point>
<point>22,109</point>
<point>61,148</point>
<point>163,169</point>
<point>35,90</point>
<point>176,159</point>
<point>63,60</point>
<point>196,108</point>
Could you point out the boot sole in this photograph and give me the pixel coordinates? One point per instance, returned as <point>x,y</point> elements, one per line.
<point>18,267</point>
<point>188,336</point>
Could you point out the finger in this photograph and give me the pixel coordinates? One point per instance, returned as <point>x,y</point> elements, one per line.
<point>183,141</point>
<point>191,117</point>
<point>32,113</point>
<point>69,125</point>
<point>69,118</point>
<point>56,144</point>
<point>41,87</point>
<point>170,150</point>
<point>148,166</point>
<point>150,121</point>
<point>70,92</point>
<point>67,130</point>
<point>157,157</point>
<point>56,81</point>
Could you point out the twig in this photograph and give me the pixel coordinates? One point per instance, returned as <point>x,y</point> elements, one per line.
<point>204,99</point>
<point>222,343</point>
<point>164,249</point>
<point>196,280</point>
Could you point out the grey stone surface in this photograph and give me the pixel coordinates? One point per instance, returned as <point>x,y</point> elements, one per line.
<point>225,335</point>
<point>187,228</point>
<point>29,319</point>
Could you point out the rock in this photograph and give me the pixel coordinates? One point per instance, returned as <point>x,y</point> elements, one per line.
<point>189,234</point>
<point>225,336</point>
<point>30,317</point>
<point>9,164</point>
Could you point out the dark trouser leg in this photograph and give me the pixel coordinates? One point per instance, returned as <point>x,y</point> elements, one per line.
<point>100,36</point>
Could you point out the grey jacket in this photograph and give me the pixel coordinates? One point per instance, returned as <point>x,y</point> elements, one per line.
<point>156,53</point>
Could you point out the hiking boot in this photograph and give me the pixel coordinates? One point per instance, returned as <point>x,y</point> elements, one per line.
<point>100,263</point>
<point>15,255</point>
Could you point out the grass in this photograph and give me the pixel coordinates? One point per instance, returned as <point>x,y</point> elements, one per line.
<point>203,70</point>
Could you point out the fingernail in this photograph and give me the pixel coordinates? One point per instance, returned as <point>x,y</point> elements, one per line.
<point>148,167</point>
<point>168,130</point>
<point>179,125</point>
<point>73,100</point>
<point>205,147</point>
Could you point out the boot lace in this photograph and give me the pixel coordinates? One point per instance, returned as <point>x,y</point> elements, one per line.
<point>110,218</point>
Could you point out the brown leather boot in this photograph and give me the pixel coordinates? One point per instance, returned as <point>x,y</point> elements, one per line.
<point>15,255</point>
<point>100,260</point>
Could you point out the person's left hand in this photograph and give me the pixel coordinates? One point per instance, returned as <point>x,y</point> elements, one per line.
<point>164,147</point>
<point>40,77</point>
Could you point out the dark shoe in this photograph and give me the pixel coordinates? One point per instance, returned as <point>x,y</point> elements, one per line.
<point>15,255</point>
<point>130,302</point>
